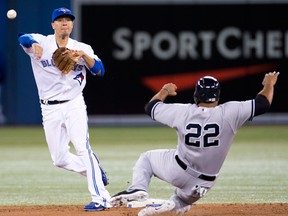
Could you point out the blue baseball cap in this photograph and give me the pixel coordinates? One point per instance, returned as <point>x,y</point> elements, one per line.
<point>61,12</point>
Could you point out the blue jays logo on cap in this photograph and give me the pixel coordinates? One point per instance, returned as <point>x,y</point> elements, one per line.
<point>61,12</point>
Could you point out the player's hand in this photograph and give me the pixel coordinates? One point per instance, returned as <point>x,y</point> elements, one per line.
<point>90,61</point>
<point>168,89</point>
<point>270,78</point>
<point>37,50</point>
<point>171,88</point>
<point>79,53</point>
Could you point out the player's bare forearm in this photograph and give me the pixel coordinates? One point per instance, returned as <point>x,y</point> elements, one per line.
<point>89,60</point>
<point>91,63</point>
<point>268,83</point>
<point>168,89</point>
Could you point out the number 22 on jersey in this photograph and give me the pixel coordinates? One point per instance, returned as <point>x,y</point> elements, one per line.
<point>199,136</point>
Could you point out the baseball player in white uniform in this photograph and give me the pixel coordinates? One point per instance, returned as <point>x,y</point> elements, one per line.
<point>62,104</point>
<point>205,133</point>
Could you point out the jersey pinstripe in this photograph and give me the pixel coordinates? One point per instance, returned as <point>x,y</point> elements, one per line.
<point>204,134</point>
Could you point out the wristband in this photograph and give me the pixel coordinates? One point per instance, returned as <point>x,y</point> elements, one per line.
<point>26,40</point>
<point>97,67</point>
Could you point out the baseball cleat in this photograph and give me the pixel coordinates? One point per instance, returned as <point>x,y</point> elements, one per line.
<point>94,206</point>
<point>167,206</point>
<point>123,197</point>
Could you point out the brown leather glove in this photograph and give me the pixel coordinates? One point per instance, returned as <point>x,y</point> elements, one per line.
<point>65,59</point>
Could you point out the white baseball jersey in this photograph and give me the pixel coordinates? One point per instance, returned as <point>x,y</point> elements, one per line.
<point>204,134</point>
<point>52,84</point>
<point>67,122</point>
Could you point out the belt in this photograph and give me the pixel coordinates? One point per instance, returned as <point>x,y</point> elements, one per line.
<point>193,172</point>
<point>47,102</point>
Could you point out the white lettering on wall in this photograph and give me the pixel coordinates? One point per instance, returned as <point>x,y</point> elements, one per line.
<point>230,43</point>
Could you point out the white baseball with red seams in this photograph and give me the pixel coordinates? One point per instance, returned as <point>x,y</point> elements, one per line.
<point>11,14</point>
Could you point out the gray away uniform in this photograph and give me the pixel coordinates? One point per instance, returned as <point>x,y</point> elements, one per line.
<point>204,139</point>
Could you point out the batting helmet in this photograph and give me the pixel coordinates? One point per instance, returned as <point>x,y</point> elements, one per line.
<point>207,90</point>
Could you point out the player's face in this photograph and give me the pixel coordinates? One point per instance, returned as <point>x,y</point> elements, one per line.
<point>63,26</point>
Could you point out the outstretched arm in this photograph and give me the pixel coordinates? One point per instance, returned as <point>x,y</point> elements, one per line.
<point>27,41</point>
<point>268,83</point>
<point>264,98</point>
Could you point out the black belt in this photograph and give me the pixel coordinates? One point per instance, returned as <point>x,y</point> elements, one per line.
<point>47,102</point>
<point>201,176</point>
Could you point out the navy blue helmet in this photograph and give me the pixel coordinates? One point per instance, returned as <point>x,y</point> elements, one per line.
<point>207,90</point>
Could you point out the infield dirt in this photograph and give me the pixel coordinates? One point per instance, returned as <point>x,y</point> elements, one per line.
<point>197,210</point>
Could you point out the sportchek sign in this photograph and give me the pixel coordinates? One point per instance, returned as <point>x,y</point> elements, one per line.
<point>144,46</point>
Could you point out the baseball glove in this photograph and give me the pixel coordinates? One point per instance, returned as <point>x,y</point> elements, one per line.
<point>65,59</point>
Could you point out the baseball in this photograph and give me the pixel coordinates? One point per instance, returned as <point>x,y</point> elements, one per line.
<point>11,14</point>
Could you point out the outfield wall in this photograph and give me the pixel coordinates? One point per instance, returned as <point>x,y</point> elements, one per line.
<point>145,120</point>
<point>146,43</point>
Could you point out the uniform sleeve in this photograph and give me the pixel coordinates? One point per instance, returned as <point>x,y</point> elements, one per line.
<point>98,62</point>
<point>262,105</point>
<point>98,66</point>
<point>237,113</point>
<point>168,114</point>
<point>33,37</point>
<point>26,40</point>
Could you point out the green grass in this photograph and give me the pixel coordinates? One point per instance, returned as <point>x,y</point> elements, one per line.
<point>255,170</point>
